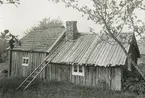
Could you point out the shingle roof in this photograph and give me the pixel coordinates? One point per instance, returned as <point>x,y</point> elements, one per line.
<point>89,49</point>
<point>40,40</point>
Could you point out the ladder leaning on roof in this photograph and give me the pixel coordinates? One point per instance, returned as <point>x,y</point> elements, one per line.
<point>24,85</point>
<point>27,82</point>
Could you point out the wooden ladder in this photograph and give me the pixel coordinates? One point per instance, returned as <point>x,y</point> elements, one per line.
<point>24,85</point>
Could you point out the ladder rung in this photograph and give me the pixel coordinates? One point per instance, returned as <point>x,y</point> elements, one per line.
<point>35,73</point>
<point>23,86</point>
<point>33,76</point>
<point>28,81</point>
<point>38,69</point>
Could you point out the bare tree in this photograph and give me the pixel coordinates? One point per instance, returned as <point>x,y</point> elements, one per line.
<point>112,15</point>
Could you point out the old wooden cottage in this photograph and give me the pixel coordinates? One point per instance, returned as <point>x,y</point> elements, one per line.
<point>81,58</point>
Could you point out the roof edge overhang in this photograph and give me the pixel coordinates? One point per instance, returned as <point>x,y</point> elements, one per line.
<point>89,65</point>
<point>24,50</point>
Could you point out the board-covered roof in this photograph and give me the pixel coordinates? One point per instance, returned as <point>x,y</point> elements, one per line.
<point>90,49</point>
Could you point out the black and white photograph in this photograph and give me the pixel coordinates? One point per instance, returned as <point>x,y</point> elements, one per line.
<point>72,48</point>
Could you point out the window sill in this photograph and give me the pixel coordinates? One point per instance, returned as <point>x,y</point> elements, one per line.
<point>78,74</point>
<point>24,64</point>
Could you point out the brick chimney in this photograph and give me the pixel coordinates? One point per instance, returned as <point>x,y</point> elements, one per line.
<point>71,30</point>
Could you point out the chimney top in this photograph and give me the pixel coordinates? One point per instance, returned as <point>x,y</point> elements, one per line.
<point>71,30</point>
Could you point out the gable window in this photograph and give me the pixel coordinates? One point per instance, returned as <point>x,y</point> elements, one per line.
<point>25,61</point>
<point>78,70</point>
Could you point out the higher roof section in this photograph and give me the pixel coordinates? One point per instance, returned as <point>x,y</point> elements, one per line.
<point>40,40</point>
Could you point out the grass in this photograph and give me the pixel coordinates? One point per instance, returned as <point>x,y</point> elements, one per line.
<point>54,89</point>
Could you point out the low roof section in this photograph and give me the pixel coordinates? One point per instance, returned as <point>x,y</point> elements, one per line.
<point>39,40</point>
<point>90,49</point>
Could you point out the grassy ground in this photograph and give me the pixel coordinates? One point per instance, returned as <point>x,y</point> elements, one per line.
<point>54,89</point>
<point>3,66</point>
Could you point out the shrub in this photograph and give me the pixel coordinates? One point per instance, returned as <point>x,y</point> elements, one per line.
<point>134,85</point>
<point>9,84</point>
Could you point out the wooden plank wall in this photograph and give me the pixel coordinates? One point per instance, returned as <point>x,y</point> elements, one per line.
<point>34,60</point>
<point>92,75</point>
<point>64,72</point>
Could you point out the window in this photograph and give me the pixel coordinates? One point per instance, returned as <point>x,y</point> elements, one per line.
<point>78,70</point>
<point>25,61</point>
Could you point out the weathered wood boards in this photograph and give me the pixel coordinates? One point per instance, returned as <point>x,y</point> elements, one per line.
<point>94,76</point>
<point>34,60</point>
<point>112,76</point>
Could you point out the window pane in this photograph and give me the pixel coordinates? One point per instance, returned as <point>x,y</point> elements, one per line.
<point>23,60</point>
<point>26,61</point>
<point>75,68</point>
<point>80,69</point>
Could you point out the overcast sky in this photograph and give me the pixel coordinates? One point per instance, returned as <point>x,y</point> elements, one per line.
<point>30,12</point>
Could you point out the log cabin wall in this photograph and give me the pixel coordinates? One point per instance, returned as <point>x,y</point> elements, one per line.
<point>92,77</point>
<point>35,59</point>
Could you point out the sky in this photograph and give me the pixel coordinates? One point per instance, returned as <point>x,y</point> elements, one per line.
<point>30,12</point>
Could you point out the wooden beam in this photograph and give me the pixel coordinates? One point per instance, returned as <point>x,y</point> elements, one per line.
<point>10,63</point>
<point>24,50</point>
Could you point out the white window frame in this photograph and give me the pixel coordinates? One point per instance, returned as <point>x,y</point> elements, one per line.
<point>78,73</point>
<point>24,63</point>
